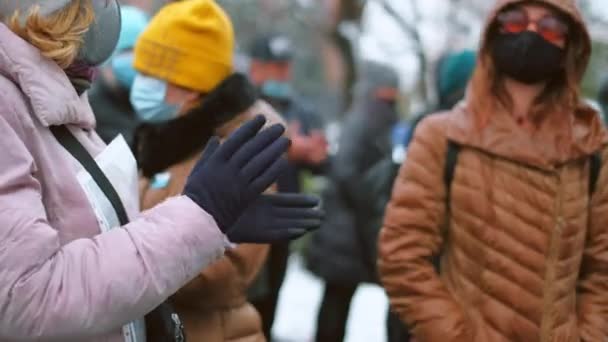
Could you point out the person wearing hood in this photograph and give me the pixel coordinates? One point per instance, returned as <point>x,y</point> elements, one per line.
<point>191,94</point>
<point>509,190</point>
<point>343,253</point>
<point>109,94</point>
<point>78,260</point>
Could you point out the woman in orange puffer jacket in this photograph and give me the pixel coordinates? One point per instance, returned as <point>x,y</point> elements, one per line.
<point>521,226</point>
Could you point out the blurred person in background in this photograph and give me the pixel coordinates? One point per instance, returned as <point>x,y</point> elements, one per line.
<point>78,260</point>
<point>109,94</point>
<point>343,253</point>
<point>185,92</point>
<point>454,71</point>
<point>508,191</point>
<point>271,72</point>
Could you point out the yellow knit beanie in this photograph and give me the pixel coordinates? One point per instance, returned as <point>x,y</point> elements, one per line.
<point>188,43</point>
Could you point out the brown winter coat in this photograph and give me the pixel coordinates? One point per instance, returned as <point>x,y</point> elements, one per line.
<point>524,252</point>
<point>213,306</point>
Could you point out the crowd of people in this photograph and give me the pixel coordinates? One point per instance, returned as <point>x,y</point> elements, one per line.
<point>149,192</point>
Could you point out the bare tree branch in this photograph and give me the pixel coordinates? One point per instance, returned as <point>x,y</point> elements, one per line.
<point>411,30</point>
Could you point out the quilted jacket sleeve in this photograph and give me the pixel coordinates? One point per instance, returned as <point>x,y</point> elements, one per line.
<point>593,280</point>
<point>88,287</point>
<point>411,235</point>
<point>225,282</point>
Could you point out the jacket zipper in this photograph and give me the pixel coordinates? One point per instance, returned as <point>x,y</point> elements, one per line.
<point>547,320</point>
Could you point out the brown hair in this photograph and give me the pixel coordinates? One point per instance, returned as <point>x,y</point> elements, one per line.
<point>561,93</point>
<point>59,35</point>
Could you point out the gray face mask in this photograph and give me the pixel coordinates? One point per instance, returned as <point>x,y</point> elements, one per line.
<point>102,37</point>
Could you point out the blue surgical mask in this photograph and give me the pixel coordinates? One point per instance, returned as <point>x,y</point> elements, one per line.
<point>148,99</point>
<point>276,89</point>
<point>122,67</point>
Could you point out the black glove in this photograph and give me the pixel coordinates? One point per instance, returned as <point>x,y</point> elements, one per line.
<point>276,218</point>
<point>230,177</point>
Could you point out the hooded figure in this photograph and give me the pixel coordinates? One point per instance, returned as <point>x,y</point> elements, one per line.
<point>343,253</point>
<point>522,227</point>
<point>348,242</point>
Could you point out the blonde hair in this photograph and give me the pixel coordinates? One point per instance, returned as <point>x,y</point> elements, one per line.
<point>58,36</point>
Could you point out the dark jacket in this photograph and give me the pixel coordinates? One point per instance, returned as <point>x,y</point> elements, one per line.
<point>344,249</point>
<point>454,72</point>
<point>113,112</point>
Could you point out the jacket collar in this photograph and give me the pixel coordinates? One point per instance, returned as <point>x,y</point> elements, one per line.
<point>560,138</point>
<point>46,87</point>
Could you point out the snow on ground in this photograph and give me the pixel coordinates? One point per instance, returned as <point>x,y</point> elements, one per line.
<point>300,299</point>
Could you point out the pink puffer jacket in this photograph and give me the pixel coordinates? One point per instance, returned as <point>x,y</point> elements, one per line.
<point>60,279</point>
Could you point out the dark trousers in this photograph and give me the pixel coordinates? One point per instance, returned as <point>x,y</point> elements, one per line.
<point>396,330</point>
<point>333,314</point>
<point>276,268</point>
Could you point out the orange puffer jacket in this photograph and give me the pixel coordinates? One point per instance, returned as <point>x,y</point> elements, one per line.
<point>524,247</point>
<point>525,254</point>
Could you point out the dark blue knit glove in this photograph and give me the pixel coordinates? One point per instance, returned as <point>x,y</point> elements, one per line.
<point>276,218</point>
<point>230,177</point>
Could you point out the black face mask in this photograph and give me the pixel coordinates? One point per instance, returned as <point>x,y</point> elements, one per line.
<point>527,57</point>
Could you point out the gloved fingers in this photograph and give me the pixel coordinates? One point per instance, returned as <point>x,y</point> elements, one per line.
<point>241,136</point>
<point>210,149</point>
<point>298,213</point>
<point>271,236</point>
<point>288,200</point>
<point>289,234</point>
<point>261,162</point>
<point>266,179</point>
<point>307,224</point>
<point>257,145</point>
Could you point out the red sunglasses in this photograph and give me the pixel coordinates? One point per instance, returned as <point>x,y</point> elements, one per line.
<point>550,27</point>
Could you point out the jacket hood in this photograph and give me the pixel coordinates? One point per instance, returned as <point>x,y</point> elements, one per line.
<point>579,39</point>
<point>45,86</point>
<point>558,138</point>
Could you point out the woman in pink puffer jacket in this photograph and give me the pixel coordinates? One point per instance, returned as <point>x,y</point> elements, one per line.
<point>65,274</point>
